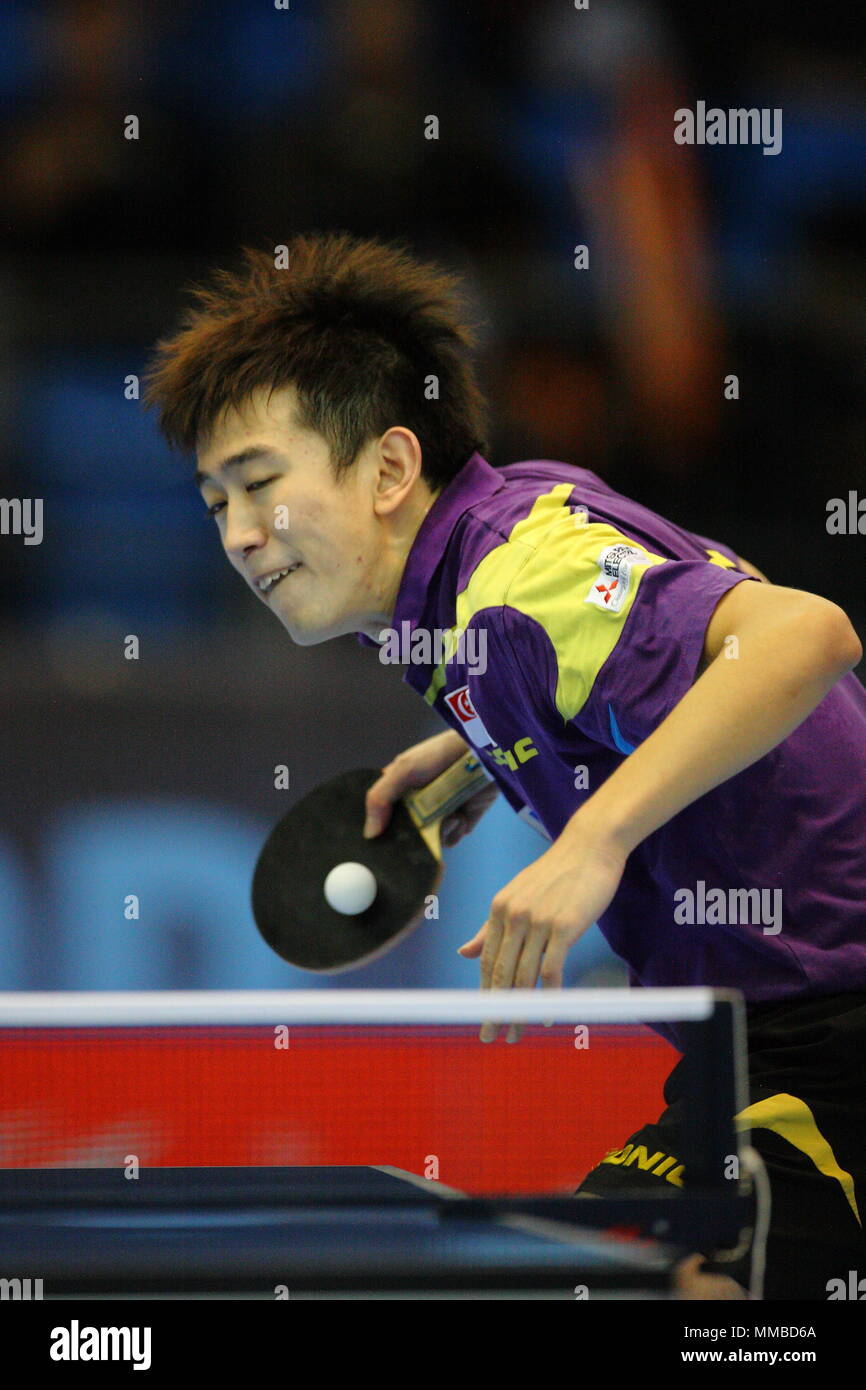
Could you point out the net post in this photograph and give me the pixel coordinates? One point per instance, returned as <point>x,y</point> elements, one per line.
<point>715,1089</point>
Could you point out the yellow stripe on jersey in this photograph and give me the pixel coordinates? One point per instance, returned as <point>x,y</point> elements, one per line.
<point>546,570</point>
<point>717,558</point>
<point>791,1118</point>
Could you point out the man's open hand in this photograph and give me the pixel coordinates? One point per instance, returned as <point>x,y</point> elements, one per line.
<point>537,917</point>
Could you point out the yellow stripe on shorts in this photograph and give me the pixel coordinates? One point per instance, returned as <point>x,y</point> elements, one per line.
<point>792,1119</point>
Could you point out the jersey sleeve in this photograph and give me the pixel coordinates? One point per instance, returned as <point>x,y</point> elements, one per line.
<point>718,553</point>
<point>609,636</point>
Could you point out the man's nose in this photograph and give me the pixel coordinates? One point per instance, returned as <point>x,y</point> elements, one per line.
<point>244,530</point>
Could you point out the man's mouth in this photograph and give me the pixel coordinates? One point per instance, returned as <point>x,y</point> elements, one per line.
<point>266,585</point>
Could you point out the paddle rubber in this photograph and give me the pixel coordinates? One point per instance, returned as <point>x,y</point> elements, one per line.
<point>320,831</point>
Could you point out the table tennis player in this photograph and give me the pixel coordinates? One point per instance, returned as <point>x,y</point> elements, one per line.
<point>668,717</point>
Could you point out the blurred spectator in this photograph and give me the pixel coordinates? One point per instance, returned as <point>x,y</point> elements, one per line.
<point>72,181</point>
<point>358,157</point>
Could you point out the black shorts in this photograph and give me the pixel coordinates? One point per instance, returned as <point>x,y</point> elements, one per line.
<point>807,1083</point>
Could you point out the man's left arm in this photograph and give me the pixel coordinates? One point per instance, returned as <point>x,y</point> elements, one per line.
<point>770,656</point>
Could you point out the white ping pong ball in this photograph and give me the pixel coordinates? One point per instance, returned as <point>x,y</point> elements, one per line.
<point>350,888</point>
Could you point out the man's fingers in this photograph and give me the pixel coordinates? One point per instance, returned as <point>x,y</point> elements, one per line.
<point>415,767</point>
<point>501,974</point>
<point>492,943</point>
<point>526,975</point>
<point>529,965</point>
<point>453,829</point>
<point>412,768</point>
<point>505,965</point>
<point>554,961</point>
<point>378,802</point>
<point>471,949</point>
<point>492,938</point>
<point>690,1282</point>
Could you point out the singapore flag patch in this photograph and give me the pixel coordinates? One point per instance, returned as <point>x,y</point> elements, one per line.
<point>461,705</point>
<point>610,590</point>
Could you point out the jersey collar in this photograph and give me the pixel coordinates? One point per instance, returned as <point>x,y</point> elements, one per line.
<point>476,480</point>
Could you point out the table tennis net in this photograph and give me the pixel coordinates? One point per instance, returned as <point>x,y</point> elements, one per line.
<point>424,1096</point>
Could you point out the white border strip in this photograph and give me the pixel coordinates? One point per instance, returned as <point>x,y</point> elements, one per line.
<point>200,1008</point>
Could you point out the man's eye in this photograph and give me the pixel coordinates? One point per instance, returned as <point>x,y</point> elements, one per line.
<point>216,507</point>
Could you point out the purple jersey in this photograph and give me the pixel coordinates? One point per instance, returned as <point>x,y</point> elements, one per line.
<point>568,622</point>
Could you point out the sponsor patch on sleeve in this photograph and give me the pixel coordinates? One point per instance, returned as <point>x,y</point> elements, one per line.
<point>611,589</point>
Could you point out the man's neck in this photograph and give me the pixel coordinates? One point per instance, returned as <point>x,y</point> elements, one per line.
<point>373,626</point>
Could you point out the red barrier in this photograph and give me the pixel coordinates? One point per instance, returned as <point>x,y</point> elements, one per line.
<point>481,1117</point>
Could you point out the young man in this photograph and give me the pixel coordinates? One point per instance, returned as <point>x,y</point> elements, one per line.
<point>684,733</point>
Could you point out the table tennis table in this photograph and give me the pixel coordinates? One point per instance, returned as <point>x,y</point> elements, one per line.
<point>304,1233</point>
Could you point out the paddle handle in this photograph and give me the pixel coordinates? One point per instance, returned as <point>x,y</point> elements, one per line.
<point>428,806</point>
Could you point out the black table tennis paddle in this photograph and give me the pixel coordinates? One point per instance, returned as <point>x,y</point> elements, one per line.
<point>324,829</point>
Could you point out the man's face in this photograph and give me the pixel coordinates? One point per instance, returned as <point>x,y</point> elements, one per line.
<point>277,508</point>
